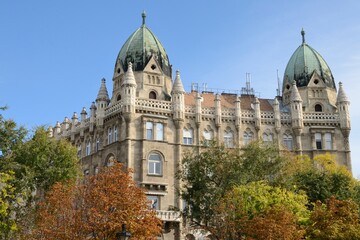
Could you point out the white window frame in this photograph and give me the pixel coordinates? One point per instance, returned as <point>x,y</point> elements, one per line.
<point>228,139</point>
<point>154,164</point>
<point>288,141</point>
<point>159,131</point>
<point>248,137</point>
<point>88,148</point>
<point>149,130</point>
<point>187,136</point>
<point>328,141</point>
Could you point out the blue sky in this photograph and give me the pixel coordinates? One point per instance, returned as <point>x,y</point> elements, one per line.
<point>53,54</point>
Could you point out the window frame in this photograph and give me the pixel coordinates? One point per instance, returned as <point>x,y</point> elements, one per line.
<point>155,166</point>
<point>188,136</point>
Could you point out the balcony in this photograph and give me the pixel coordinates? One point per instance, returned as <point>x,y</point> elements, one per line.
<point>168,216</point>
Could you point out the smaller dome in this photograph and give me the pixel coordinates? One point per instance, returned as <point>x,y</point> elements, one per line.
<point>303,63</point>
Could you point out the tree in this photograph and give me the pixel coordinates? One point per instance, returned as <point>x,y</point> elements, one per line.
<point>96,208</point>
<point>258,203</point>
<point>338,219</point>
<point>276,223</point>
<point>325,179</point>
<point>207,176</point>
<point>7,202</point>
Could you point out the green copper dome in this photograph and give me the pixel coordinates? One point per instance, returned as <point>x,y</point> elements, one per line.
<point>140,47</point>
<point>303,63</point>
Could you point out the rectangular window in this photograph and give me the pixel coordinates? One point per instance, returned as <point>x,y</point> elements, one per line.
<point>154,202</point>
<point>109,136</point>
<point>149,130</point>
<point>228,140</point>
<point>187,137</point>
<point>159,131</point>
<point>88,148</point>
<point>288,142</point>
<point>318,140</point>
<point>115,134</point>
<point>328,141</point>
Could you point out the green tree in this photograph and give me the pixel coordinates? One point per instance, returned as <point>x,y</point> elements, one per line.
<point>207,176</point>
<point>7,202</point>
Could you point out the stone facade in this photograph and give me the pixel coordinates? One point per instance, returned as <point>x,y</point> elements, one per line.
<point>150,120</point>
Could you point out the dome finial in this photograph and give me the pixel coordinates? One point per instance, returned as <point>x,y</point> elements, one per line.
<point>303,35</point>
<point>143,15</point>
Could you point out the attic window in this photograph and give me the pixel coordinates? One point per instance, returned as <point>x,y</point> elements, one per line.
<point>288,86</point>
<point>316,81</point>
<point>153,67</point>
<point>118,70</point>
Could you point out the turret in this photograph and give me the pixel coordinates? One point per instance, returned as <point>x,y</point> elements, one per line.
<point>129,91</point>
<point>92,116</point>
<point>296,116</point>
<point>237,112</point>
<point>65,124</point>
<point>102,101</point>
<point>178,101</point>
<point>343,104</point>
<point>57,129</point>
<point>82,123</point>
<point>50,132</point>
<point>74,122</point>
<point>217,110</point>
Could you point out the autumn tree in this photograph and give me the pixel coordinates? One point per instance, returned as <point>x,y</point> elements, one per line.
<point>259,204</point>
<point>96,208</point>
<point>207,176</point>
<point>337,219</point>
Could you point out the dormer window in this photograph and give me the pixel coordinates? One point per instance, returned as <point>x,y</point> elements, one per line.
<point>318,108</point>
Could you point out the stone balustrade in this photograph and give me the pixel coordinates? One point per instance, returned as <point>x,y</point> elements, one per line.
<point>168,216</point>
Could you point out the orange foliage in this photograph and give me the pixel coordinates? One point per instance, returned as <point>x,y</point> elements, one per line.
<point>96,209</point>
<point>275,224</point>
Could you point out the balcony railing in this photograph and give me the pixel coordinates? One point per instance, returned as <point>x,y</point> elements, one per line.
<point>168,216</point>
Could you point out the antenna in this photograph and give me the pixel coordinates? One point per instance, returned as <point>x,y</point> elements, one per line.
<point>278,80</point>
<point>247,90</point>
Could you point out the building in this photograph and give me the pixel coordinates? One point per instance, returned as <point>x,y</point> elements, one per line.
<point>149,120</point>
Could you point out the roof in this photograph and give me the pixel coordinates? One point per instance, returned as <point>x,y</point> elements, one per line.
<point>140,47</point>
<point>302,65</point>
<point>228,101</point>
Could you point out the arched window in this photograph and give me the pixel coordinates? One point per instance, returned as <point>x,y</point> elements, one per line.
<point>228,139</point>
<point>288,141</point>
<point>111,160</point>
<point>248,136</point>
<point>187,136</point>
<point>152,95</point>
<point>154,164</point>
<point>267,137</point>
<point>118,98</point>
<point>318,108</point>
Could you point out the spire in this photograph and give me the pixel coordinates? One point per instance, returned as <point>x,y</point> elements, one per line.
<point>178,86</point>
<point>295,95</point>
<point>341,97</point>
<point>103,93</point>
<point>303,35</point>
<point>143,15</point>
<point>129,76</point>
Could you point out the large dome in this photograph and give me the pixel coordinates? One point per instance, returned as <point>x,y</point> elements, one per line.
<point>140,47</point>
<point>303,63</point>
